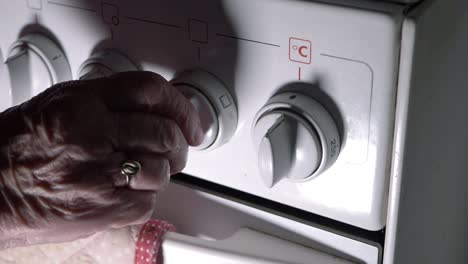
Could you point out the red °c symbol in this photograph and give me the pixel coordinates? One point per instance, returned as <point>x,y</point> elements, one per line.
<point>302,50</point>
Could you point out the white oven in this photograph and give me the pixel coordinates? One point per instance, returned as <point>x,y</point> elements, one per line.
<point>306,107</point>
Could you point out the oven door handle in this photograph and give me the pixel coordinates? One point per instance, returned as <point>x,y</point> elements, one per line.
<point>246,246</point>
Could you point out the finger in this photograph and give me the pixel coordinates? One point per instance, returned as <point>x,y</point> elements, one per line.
<point>135,207</point>
<point>149,92</point>
<point>177,160</point>
<point>146,132</point>
<point>153,175</point>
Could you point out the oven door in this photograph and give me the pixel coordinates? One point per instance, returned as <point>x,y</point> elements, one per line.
<point>214,227</point>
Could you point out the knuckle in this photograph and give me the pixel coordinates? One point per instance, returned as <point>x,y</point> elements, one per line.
<point>152,88</point>
<point>186,110</point>
<point>152,80</point>
<point>172,136</point>
<point>178,162</point>
<point>169,135</point>
<point>163,176</point>
<point>156,78</point>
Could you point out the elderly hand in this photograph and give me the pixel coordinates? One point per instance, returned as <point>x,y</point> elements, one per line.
<point>61,154</point>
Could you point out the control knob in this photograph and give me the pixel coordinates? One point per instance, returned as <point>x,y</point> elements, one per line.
<point>105,63</point>
<point>207,93</point>
<point>35,63</point>
<point>296,138</point>
<point>214,103</point>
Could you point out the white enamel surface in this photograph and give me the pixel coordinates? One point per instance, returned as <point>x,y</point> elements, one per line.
<point>214,219</point>
<point>353,62</point>
<point>428,209</point>
<point>246,246</point>
<point>354,189</point>
<point>401,118</point>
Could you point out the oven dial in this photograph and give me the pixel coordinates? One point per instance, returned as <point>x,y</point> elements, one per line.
<point>214,103</point>
<point>296,138</point>
<point>105,63</point>
<point>35,63</point>
<point>211,98</point>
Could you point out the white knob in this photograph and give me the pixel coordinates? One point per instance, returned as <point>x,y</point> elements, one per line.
<point>207,113</point>
<point>214,103</point>
<point>296,139</point>
<point>290,148</point>
<point>35,63</point>
<point>105,63</point>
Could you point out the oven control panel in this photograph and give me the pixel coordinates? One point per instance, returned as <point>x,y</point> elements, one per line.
<point>296,97</point>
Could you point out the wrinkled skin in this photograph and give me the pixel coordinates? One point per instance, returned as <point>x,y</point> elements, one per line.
<point>61,153</point>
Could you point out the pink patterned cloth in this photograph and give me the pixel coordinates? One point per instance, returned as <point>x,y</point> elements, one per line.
<point>147,250</point>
